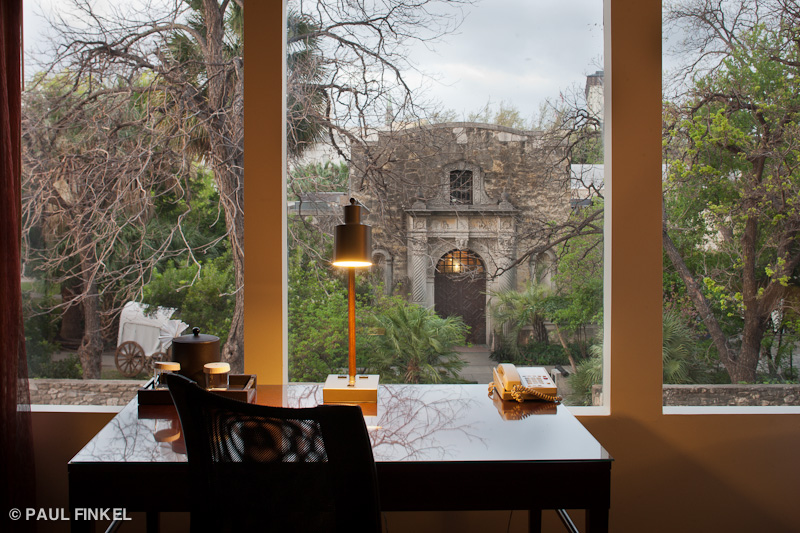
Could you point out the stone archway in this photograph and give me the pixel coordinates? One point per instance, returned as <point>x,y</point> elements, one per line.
<point>460,289</point>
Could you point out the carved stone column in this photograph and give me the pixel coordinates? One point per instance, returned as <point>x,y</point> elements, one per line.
<point>417,244</point>
<point>504,253</point>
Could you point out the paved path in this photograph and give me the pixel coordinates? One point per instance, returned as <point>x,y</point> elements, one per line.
<point>479,365</point>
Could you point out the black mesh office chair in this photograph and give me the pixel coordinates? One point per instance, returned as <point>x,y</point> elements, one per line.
<point>260,468</point>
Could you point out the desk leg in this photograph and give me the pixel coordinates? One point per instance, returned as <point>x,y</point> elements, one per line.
<point>153,523</point>
<point>535,521</point>
<point>81,526</point>
<point>597,520</point>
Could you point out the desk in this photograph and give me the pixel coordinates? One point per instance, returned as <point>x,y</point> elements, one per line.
<point>437,448</point>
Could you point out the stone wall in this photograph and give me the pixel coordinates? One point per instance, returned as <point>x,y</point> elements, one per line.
<point>739,395</point>
<point>403,168</point>
<point>83,391</point>
<point>723,395</point>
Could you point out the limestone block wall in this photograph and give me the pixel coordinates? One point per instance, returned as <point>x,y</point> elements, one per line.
<point>409,166</point>
<point>723,395</point>
<point>83,391</point>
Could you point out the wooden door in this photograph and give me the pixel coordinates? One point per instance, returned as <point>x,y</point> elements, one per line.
<point>460,289</point>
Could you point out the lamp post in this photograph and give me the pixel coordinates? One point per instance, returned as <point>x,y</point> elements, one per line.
<point>352,248</point>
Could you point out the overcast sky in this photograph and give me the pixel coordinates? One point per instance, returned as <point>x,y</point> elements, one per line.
<point>517,51</point>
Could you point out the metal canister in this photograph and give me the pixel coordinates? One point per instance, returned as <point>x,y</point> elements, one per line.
<point>193,352</point>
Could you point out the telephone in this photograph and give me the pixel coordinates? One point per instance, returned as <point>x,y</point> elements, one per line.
<point>523,383</point>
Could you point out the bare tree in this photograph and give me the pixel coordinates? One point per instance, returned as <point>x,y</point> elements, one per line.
<point>93,170</point>
<point>185,60</point>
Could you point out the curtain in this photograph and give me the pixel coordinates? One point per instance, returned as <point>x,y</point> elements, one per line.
<point>15,426</point>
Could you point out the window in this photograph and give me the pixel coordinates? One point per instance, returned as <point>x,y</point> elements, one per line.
<point>730,328</point>
<point>459,262</point>
<point>461,187</point>
<point>483,181</point>
<point>120,209</point>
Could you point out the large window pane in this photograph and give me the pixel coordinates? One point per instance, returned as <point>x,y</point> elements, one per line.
<point>132,186</point>
<point>474,140</point>
<point>730,189</point>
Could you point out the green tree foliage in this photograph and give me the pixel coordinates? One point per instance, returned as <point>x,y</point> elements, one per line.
<point>573,303</point>
<point>198,214</point>
<point>731,198</point>
<point>579,278</point>
<point>306,98</point>
<point>678,355</point>
<point>317,177</point>
<point>40,330</point>
<point>513,311</point>
<point>318,327</point>
<point>200,293</point>
<point>400,341</point>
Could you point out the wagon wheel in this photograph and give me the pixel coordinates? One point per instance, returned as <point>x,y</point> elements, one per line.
<point>129,358</point>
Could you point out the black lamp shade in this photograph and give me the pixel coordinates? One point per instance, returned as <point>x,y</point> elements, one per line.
<point>352,241</point>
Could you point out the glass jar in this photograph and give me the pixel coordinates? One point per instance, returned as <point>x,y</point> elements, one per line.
<point>216,375</point>
<point>161,369</point>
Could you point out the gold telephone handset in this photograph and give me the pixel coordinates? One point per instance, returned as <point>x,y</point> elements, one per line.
<point>523,383</point>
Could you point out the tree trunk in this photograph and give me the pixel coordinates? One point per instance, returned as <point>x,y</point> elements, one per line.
<point>71,331</point>
<point>90,351</point>
<point>701,305</point>
<point>564,345</point>
<point>540,331</point>
<point>755,323</point>
<point>226,136</point>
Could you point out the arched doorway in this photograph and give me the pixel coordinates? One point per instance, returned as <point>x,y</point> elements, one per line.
<point>460,289</point>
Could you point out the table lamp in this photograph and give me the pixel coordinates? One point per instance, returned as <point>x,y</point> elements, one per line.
<point>352,248</point>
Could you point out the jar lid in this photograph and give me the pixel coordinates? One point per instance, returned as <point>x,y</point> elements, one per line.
<point>216,368</point>
<point>167,366</point>
<point>195,338</point>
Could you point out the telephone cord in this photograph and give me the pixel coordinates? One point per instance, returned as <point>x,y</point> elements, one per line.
<point>518,390</point>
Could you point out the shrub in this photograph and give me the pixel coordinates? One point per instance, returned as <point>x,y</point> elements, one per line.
<point>205,301</point>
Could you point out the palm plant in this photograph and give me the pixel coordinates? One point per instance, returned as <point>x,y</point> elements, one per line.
<point>677,349</point>
<point>306,100</point>
<point>419,344</point>
<point>515,310</point>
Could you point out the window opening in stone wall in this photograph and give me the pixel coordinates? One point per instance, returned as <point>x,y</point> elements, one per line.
<point>481,165</point>
<point>460,262</point>
<point>461,187</point>
<point>133,231</point>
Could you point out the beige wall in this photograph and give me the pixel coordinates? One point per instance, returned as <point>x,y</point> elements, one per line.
<point>671,473</point>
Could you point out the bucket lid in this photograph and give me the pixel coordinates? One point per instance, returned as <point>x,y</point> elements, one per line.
<point>196,338</point>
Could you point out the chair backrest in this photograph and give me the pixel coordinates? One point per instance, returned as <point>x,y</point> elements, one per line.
<point>263,468</point>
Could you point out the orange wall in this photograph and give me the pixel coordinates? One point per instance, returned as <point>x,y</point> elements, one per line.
<point>671,473</point>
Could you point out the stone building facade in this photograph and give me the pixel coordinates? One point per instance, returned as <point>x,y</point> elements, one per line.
<point>454,209</point>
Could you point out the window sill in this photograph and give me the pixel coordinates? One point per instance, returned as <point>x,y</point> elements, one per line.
<point>43,408</point>
<point>731,410</point>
